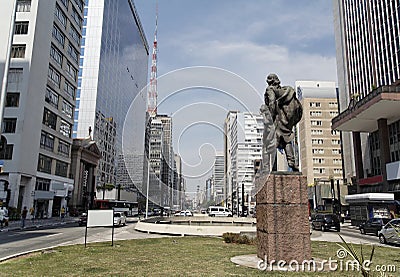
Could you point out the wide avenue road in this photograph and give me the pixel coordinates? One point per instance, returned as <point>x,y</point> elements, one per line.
<point>15,242</point>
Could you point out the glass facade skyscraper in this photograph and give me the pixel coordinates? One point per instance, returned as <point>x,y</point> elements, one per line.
<point>113,70</point>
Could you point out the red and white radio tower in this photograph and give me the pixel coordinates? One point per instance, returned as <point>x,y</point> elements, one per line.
<point>152,99</point>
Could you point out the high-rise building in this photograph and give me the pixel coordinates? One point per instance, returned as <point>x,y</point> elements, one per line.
<point>39,101</point>
<point>319,147</point>
<point>154,137</point>
<point>178,182</point>
<point>219,178</point>
<point>113,70</point>
<point>243,146</point>
<point>368,66</point>
<point>209,189</point>
<point>167,169</point>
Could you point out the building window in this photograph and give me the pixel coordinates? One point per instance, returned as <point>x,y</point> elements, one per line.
<point>61,169</point>
<point>319,170</point>
<point>315,104</point>
<point>333,105</point>
<point>333,114</point>
<point>317,141</point>
<point>49,119</point>
<point>75,35</point>
<point>23,5</point>
<point>56,55</point>
<point>42,184</point>
<point>318,151</point>
<point>72,72</point>
<point>54,76</point>
<point>316,132</point>
<point>79,4</point>
<point>336,141</point>
<point>47,141</point>
<point>67,108</point>
<point>73,53</point>
<point>18,51</point>
<point>315,113</point>
<point>63,148</point>
<point>21,27</point>
<point>316,122</point>
<point>336,151</point>
<point>7,152</point>
<point>15,75</point>
<point>12,99</point>
<point>58,35</point>
<point>9,125</point>
<point>69,89</point>
<point>76,17</point>
<point>318,161</point>
<point>60,16</point>
<point>51,97</point>
<point>337,161</point>
<point>337,171</point>
<point>44,165</point>
<point>335,132</point>
<point>65,128</point>
<point>65,3</point>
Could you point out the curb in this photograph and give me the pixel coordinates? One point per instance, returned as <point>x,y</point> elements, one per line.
<point>25,253</point>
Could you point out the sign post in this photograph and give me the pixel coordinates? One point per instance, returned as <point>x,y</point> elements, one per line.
<point>100,218</point>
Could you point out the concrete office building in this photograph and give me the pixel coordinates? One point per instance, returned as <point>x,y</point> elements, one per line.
<point>167,169</point>
<point>40,99</point>
<point>243,146</point>
<point>368,61</point>
<point>219,178</point>
<point>320,154</point>
<point>113,70</point>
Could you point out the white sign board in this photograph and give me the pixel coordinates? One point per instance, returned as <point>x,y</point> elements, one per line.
<point>100,218</point>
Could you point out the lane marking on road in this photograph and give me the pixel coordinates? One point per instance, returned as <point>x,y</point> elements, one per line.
<point>53,235</point>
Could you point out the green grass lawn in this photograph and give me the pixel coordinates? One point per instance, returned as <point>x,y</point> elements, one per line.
<point>177,256</point>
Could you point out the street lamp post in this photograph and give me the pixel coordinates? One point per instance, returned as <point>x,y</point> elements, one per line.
<point>148,184</point>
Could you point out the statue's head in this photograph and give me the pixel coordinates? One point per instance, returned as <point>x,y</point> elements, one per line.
<point>272,79</point>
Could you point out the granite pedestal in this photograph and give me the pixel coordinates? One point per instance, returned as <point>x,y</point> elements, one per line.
<point>283,230</point>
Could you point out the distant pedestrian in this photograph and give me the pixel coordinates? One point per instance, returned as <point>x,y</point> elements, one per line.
<point>32,213</point>
<point>23,217</point>
<point>2,216</point>
<point>62,213</point>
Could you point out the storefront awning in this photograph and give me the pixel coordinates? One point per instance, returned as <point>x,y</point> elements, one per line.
<point>367,197</point>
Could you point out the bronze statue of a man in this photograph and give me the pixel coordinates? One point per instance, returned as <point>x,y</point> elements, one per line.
<point>286,111</point>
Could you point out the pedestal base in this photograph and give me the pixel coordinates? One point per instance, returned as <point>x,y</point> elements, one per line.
<point>283,230</point>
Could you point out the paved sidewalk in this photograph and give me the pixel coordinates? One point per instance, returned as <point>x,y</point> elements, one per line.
<point>38,223</point>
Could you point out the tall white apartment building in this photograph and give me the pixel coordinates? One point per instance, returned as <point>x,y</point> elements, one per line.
<point>40,99</point>
<point>320,148</point>
<point>219,178</point>
<point>243,146</point>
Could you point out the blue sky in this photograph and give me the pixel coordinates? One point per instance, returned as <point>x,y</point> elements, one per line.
<point>251,38</point>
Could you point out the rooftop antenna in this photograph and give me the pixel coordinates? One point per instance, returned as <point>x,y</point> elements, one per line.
<point>152,99</point>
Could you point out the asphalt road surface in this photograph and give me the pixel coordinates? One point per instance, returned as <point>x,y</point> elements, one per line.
<point>14,242</point>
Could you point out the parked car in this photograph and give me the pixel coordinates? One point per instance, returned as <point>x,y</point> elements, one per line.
<point>373,225</point>
<point>119,219</point>
<point>390,233</point>
<point>82,219</point>
<point>184,213</point>
<point>326,222</point>
<point>219,211</point>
